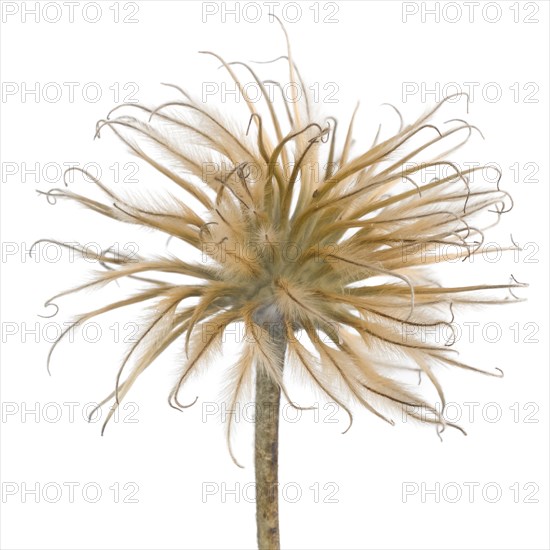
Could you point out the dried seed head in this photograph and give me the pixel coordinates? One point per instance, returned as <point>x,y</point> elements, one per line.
<point>288,229</point>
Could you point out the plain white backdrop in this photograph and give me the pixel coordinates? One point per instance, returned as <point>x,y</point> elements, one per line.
<point>159,479</point>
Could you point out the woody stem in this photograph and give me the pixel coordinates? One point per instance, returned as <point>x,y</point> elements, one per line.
<point>268,396</point>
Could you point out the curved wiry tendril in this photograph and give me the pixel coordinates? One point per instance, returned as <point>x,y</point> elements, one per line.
<point>398,114</point>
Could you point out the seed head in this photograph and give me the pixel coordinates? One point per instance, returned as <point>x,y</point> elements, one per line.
<point>294,231</point>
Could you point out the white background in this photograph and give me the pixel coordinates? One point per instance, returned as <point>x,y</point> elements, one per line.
<point>369,53</point>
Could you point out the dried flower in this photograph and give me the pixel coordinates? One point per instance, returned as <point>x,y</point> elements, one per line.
<point>322,253</point>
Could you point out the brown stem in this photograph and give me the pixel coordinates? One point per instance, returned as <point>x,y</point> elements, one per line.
<point>268,396</point>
